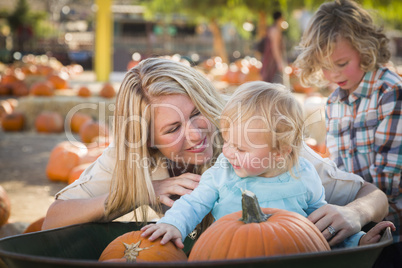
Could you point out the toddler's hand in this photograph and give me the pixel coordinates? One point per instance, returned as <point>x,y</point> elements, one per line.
<point>374,234</point>
<point>169,233</point>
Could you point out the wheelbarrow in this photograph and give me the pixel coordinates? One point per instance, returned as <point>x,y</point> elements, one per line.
<point>81,245</point>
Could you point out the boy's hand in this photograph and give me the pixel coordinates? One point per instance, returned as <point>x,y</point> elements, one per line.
<point>169,233</point>
<point>374,234</point>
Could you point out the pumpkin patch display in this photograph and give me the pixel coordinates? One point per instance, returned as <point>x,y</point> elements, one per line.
<point>63,158</point>
<point>131,247</point>
<point>256,232</point>
<point>5,206</point>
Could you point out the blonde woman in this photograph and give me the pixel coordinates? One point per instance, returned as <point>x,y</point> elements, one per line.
<point>165,126</point>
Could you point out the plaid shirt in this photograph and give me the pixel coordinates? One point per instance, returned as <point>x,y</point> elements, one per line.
<point>364,130</point>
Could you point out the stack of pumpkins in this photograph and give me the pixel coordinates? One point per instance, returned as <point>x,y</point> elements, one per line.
<point>46,121</point>
<point>69,159</point>
<point>39,76</point>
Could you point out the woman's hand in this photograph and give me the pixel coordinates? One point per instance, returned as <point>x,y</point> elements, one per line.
<point>181,185</point>
<point>344,220</point>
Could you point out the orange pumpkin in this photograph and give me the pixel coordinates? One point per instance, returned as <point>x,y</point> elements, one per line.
<point>76,172</point>
<point>13,121</point>
<point>254,233</point>
<point>49,122</point>
<point>9,79</point>
<point>19,89</point>
<point>5,206</point>
<point>84,92</point>
<point>44,70</point>
<point>131,247</point>
<point>42,89</point>
<point>35,226</point>
<point>77,120</point>
<point>57,81</point>
<point>107,91</point>
<point>63,158</point>
<point>91,130</point>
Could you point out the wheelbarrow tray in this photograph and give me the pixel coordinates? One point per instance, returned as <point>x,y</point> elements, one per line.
<point>81,245</point>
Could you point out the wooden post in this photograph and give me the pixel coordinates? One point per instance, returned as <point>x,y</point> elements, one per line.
<point>103,40</point>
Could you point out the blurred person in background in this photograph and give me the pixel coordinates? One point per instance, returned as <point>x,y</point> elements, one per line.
<point>272,55</point>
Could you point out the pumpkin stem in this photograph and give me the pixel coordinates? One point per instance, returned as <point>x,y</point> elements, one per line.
<point>132,250</point>
<point>251,209</point>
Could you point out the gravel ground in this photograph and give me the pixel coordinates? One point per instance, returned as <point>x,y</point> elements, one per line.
<point>23,160</point>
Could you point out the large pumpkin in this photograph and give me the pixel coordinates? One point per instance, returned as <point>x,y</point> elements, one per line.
<point>131,247</point>
<point>5,206</point>
<point>254,233</point>
<point>63,158</point>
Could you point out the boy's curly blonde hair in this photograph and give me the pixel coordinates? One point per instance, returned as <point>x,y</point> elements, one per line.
<point>346,19</point>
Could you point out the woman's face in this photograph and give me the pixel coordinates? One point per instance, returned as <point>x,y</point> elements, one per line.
<point>180,131</point>
<point>346,72</point>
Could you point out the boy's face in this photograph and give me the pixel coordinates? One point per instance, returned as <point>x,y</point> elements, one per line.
<point>247,149</point>
<point>346,72</point>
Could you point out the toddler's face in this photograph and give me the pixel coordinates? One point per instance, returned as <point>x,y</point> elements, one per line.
<point>246,146</point>
<point>346,71</point>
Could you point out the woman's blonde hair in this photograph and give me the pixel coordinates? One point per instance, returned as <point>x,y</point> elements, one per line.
<point>279,110</point>
<point>340,18</point>
<point>132,183</point>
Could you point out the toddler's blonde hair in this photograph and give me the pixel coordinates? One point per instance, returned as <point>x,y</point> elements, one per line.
<point>279,110</point>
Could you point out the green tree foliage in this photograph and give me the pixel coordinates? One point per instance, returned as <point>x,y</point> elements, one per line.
<point>218,12</point>
<point>212,12</point>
